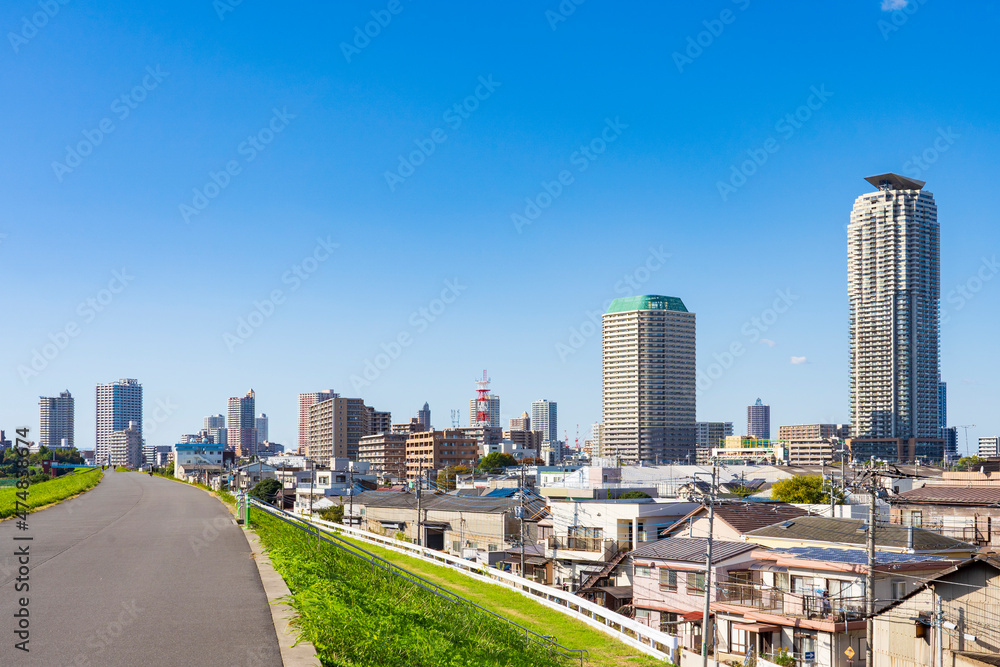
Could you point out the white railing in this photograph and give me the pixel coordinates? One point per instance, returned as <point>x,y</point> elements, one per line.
<point>627,630</point>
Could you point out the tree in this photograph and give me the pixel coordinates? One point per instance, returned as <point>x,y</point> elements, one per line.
<point>497,461</point>
<point>533,461</point>
<point>446,478</point>
<point>628,495</point>
<point>169,471</point>
<point>811,489</point>
<point>266,490</point>
<point>334,514</point>
<point>742,491</point>
<point>967,463</point>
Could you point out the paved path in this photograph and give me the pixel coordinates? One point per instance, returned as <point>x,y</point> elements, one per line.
<point>140,572</point>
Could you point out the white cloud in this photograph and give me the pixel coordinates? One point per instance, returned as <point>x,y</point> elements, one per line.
<point>767,341</point>
<point>893,5</point>
<point>798,360</point>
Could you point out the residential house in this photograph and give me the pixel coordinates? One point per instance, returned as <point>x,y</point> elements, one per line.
<point>732,519</point>
<point>668,582</point>
<point>967,513</point>
<point>809,601</point>
<point>949,620</point>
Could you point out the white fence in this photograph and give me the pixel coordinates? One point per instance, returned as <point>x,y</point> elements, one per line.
<point>629,631</point>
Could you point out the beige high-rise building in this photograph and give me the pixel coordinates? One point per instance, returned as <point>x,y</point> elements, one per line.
<point>336,426</point>
<point>378,421</point>
<point>813,444</point>
<point>525,439</point>
<point>435,450</point>
<point>242,431</point>
<point>522,423</point>
<point>649,380</point>
<point>125,447</point>
<point>306,401</point>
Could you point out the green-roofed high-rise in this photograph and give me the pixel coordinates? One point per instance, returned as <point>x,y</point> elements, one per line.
<point>649,380</point>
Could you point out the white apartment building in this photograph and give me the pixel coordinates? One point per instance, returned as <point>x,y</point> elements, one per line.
<point>989,446</point>
<point>649,380</point>
<point>118,404</point>
<point>894,289</point>
<point>55,420</point>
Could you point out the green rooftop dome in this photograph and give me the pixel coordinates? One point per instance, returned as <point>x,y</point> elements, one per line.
<point>647,302</point>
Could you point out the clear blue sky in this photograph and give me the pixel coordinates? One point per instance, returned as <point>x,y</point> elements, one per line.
<point>337,122</point>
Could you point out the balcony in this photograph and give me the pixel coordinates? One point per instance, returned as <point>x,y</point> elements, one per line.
<point>838,609</point>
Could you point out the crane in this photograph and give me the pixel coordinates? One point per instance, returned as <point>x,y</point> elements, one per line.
<point>966,427</point>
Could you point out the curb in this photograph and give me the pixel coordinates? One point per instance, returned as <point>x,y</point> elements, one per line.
<point>295,652</point>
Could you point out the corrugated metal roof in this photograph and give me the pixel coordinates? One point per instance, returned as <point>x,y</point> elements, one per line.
<point>849,531</point>
<point>691,549</point>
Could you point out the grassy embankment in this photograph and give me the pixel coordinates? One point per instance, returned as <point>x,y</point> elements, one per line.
<point>356,614</point>
<point>605,651</point>
<point>50,492</point>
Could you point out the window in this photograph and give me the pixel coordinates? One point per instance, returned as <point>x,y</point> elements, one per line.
<point>643,571</point>
<point>913,518</point>
<point>456,545</point>
<point>668,622</point>
<point>643,616</point>
<point>898,588</point>
<point>492,547</point>
<point>696,583</point>
<point>737,639</point>
<point>668,580</point>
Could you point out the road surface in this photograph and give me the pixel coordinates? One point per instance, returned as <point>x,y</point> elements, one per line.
<point>140,572</point>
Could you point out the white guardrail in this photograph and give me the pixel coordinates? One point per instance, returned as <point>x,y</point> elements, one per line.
<point>629,631</point>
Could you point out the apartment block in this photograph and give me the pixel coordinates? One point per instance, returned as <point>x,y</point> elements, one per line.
<point>759,421</point>
<point>989,446</point>
<point>242,431</point>
<point>307,400</point>
<point>435,450</point>
<point>544,418</point>
<point>56,420</point>
<point>648,380</point>
<point>379,422</point>
<point>493,404</point>
<point>336,426</point>
<point>712,434</point>
<point>525,439</point>
<point>385,453</point>
<point>125,447</point>
<point>118,404</point>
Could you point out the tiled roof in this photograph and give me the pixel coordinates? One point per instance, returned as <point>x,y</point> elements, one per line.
<point>691,549</point>
<point>850,531</point>
<point>747,515</point>
<point>448,502</point>
<point>956,495</point>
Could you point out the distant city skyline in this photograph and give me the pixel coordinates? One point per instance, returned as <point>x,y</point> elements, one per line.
<point>609,172</point>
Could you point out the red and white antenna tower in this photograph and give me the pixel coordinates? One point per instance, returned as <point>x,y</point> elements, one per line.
<point>483,401</point>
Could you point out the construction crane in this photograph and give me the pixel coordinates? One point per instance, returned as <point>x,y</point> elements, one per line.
<point>576,444</point>
<point>966,427</point>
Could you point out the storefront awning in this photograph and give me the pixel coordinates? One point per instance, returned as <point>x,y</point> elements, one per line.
<point>756,627</point>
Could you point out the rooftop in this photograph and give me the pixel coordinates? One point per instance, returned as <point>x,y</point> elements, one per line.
<point>852,532</point>
<point>855,556</point>
<point>748,515</point>
<point>898,182</point>
<point>691,549</point>
<point>952,495</point>
<point>647,302</point>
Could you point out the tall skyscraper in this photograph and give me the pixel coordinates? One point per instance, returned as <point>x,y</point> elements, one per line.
<point>424,417</point>
<point>216,427</point>
<point>759,421</point>
<point>336,426</point>
<point>306,400</point>
<point>55,420</point>
<point>648,380</point>
<point>494,411</point>
<point>118,403</point>
<point>894,289</point>
<point>261,425</point>
<point>242,431</point>
<point>544,418</point>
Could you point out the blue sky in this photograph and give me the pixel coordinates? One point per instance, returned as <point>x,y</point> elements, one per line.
<point>221,155</point>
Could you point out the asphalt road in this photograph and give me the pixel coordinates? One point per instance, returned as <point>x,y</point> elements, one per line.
<point>140,572</point>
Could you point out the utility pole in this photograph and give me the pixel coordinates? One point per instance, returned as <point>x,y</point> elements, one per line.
<point>940,629</point>
<point>350,514</point>
<point>870,582</point>
<point>708,573</point>
<point>522,521</point>
<point>420,541</point>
